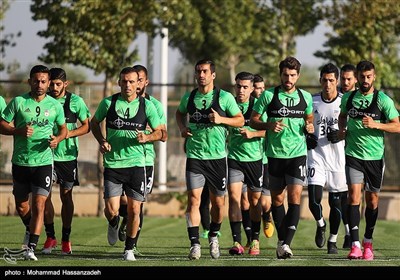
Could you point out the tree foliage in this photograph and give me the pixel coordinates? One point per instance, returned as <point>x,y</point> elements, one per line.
<point>235,32</point>
<point>94,34</point>
<point>365,30</point>
<point>99,34</point>
<point>219,30</point>
<point>6,40</point>
<point>278,23</point>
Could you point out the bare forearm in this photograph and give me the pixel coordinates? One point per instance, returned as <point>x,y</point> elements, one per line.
<point>6,128</point>
<point>81,130</point>
<point>96,131</point>
<point>391,127</point>
<point>236,121</point>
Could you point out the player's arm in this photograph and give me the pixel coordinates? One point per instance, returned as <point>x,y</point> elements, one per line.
<point>84,128</point>
<point>155,135</point>
<point>392,125</point>
<point>342,124</point>
<point>7,128</point>
<point>164,132</point>
<point>62,133</point>
<point>309,119</point>
<point>234,121</point>
<point>248,134</point>
<point>96,131</point>
<point>181,122</point>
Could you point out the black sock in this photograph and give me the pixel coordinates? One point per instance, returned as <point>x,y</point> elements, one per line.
<point>49,229</point>
<point>65,234</point>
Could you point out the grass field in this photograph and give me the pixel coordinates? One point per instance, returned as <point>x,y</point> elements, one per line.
<point>164,243</point>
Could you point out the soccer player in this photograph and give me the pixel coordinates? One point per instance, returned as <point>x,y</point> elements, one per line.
<point>290,117</point>
<point>127,115</point>
<point>65,160</point>
<point>34,116</point>
<point>326,159</point>
<point>245,152</point>
<point>210,111</point>
<point>366,114</point>
<point>143,82</point>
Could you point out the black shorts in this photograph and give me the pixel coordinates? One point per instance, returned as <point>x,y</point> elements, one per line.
<point>286,171</point>
<point>131,180</point>
<point>66,173</point>
<point>265,176</point>
<point>250,173</point>
<point>149,178</point>
<point>212,173</point>
<point>265,184</point>
<point>370,173</point>
<point>35,180</point>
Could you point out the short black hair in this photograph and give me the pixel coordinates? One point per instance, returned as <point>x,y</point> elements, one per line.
<point>206,61</point>
<point>329,68</point>
<point>291,63</point>
<point>243,76</point>
<point>139,68</point>
<point>127,70</point>
<point>39,69</point>
<point>58,74</point>
<point>348,68</point>
<point>258,78</point>
<point>365,65</point>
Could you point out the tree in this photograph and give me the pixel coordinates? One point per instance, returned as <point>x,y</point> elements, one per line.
<point>278,23</point>
<point>94,34</point>
<point>219,30</point>
<point>6,40</point>
<point>365,30</point>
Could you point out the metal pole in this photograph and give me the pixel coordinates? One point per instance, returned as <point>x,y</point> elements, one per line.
<point>162,153</point>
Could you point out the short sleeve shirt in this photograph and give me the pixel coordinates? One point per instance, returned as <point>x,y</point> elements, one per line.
<point>290,142</point>
<point>67,149</point>
<point>208,141</point>
<point>43,116</point>
<point>126,151</point>
<point>361,142</point>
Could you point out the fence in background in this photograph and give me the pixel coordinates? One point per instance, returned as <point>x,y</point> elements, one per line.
<point>92,93</point>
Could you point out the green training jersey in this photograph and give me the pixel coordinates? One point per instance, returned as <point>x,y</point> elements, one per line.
<point>2,104</point>
<point>209,140</point>
<point>43,116</point>
<point>240,148</point>
<point>67,149</point>
<point>126,151</point>
<point>290,142</point>
<point>150,152</point>
<point>361,142</point>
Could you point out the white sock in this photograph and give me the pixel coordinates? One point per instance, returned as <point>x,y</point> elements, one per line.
<point>321,222</point>
<point>332,238</point>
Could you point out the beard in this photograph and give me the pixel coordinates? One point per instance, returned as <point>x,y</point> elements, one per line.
<point>287,87</point>
<point>140,91</point>
<point>365,87</point>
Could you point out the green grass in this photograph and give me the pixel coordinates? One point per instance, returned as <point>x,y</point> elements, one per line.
<point>164,243</point>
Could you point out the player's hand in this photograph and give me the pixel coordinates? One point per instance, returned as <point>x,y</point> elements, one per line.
<point>278,126</point>
<point>368,122</point>
<point>333,136</point>
<point>186,132</point>
<point>214,117</point>
<point>53,141</point>
<point>26,131</point>
<point>246,134</point>
<point>312,141</point>
<point>105,147</point>
<point>309,127</point>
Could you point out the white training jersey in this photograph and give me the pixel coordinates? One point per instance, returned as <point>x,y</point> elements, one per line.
<point>330,157</point>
